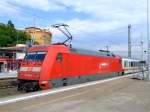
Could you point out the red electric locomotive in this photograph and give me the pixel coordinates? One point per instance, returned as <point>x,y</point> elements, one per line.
<point>51,66</point>
<point>58,65</point>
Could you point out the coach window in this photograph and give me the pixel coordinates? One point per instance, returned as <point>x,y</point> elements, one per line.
<point>59,57</point>
<point>125,64</point>
<point>131,64</point>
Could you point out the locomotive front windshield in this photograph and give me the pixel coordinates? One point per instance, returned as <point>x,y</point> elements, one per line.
<point>35,56</point>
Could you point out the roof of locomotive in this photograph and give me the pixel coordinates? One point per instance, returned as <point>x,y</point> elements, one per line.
<point>90,52</point>
<point>73,50</point>
<point>38,48</point>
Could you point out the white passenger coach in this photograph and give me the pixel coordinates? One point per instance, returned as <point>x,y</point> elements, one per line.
<point>132,65</point>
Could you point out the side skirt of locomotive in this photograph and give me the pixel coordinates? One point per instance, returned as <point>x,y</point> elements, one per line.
<point>80,79</point>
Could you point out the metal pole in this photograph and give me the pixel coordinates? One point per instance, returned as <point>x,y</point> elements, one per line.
<point>33,33</point>
<point>34,20</point>
<point>129,40</point>
<point>148,39</point>
<point>107,48</point>
<point>142,51</point>
<point>142,48</point>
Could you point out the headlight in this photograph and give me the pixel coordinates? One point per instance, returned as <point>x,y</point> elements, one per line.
<point>23,69</point>
<point>36,69</point>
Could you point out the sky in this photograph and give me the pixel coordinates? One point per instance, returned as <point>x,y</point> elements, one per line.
<point>94,24</point>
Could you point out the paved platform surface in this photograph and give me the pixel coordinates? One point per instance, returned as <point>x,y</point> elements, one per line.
<point>121,95</point>
<point>12,74</point>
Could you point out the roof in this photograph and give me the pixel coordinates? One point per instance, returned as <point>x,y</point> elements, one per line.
<point>33,28</point>
<point>13,49</point>
<point>128,58</point>
<point>74,50</point>
<point>90,52</point>
<point>38,48</point>
<point>39,29</point>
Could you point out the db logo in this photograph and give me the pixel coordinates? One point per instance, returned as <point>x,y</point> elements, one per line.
<point>102,65</point>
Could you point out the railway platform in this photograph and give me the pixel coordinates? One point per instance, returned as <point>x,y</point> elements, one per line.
<point>4,75</point>
<point>123,94</point>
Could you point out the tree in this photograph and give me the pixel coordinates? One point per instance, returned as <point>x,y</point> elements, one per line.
<point>9,36</point>
<point>10,24</point>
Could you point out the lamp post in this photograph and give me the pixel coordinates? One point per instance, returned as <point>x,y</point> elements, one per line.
<point>148,39</point>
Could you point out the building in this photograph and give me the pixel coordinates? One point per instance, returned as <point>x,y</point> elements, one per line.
<point>39,36</point>
<point>10,58</point>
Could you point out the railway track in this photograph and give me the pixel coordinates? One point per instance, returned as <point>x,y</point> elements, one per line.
<point>8,87</point>
<point>7,83</point>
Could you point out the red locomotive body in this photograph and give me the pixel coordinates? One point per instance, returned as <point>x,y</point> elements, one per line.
<point>50,66</point>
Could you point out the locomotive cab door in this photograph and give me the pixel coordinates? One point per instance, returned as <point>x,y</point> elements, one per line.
<point>59,64</point>
<point>58,70</point>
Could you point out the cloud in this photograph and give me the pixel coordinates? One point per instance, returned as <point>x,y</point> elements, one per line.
<point>96,35</point>
<point>105,15</point>
<point>99,11</point>
<point>8,9</point>
<point>113,9</point>
<point>45,5</point>
<point>91,26</point>
<point>103,19</point>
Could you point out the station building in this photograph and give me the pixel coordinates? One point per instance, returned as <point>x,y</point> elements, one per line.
<point>10,58</point>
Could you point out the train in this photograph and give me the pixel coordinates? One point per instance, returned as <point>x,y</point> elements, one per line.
<point>57,65</point>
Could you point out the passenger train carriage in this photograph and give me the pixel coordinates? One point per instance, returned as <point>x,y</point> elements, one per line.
<point>131,65</point>
<point>52,66</point>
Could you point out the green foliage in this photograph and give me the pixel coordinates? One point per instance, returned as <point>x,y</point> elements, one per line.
<point>9,36</point>
<point>10,24</point>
